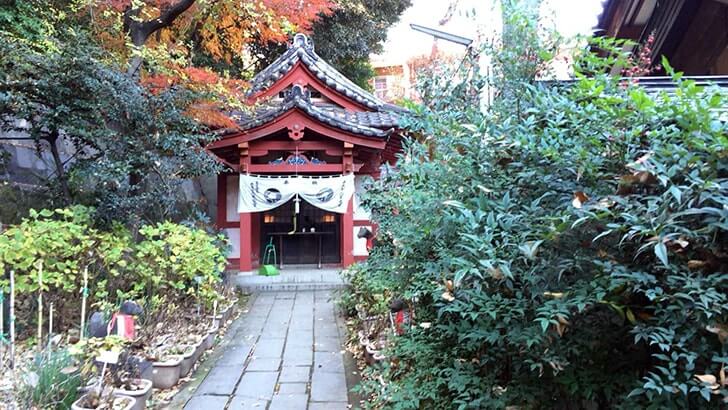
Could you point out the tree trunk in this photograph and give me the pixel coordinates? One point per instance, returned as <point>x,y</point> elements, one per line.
<point>58,162</point>
<point>139,31</point>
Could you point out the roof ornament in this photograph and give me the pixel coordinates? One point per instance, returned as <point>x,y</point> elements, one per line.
<point>302,40</point>
<point>299,92</point>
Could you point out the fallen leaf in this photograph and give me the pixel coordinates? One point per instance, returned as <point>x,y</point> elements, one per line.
<point>579,199</point>
<point>696,264</point>
<point>449,285</point>
<point>69,370</point>
<point>719,329</point>
<point>708,379</point>
<point>555,295</point>
<point>425,325</point>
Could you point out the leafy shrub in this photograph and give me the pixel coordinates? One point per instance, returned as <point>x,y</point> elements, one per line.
<point>178,261</point>
<point>171,262</point>
<point>568,245</point>
<point>59,238</point>
<point>51,382</point>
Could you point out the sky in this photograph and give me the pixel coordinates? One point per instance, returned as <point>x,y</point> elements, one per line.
<point>571,17</point>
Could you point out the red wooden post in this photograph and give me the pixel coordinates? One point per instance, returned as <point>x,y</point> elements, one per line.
<point>255,238</point>
<point>347,220</point>
<point>246,226</point>
<point>347,235</point>
<point>246,242</point>
<point>221,200</point>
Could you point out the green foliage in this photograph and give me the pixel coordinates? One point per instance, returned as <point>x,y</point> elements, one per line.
<point>131,157</point>
<point>170,262</point>
<point>179,261</point>
<point>356,29</point>
<point>51,382</point>
<point>346,37</point>
<point>33,22</point>
<point>567,244</point>
<point>61,239</point>
<point>87,350</point>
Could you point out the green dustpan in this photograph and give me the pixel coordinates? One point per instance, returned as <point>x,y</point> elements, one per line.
<point>268,270</point>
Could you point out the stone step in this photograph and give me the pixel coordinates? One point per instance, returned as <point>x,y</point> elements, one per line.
<point>282,287</point>
<point>290,279</point>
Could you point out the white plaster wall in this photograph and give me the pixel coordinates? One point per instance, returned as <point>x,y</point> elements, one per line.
<point>360,214</point>
<point>234,235</point>
<point>360,244</point>
<point>231,202</point>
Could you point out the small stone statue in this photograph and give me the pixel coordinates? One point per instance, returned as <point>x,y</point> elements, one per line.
<point>121,323</point>
<point>97,325</point>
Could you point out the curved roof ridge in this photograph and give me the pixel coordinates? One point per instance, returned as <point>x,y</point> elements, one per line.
<point>302,49</point>
<point>299,98</point>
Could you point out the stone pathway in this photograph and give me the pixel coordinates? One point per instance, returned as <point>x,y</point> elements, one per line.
<point>286,354</point>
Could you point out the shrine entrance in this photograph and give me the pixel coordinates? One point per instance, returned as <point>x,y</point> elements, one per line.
<point>311,237</point>
<point>323,136</point>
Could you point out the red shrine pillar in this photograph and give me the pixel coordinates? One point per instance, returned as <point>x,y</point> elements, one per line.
<point>246,219</point>
<point>347,220</point>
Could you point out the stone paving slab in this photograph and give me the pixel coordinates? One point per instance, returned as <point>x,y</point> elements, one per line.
<point>263,364</point>
<point>285,354</point>
<point>328,406</point>
<point>327,344</point>
<point>289,402</point>
<point>247,403</point>
<point>221,380</point>
<point>236,355</point>
<point>295,374</point>
<point>206,402</point>
<point>328,386</point>
<point>269,347</point>
<point>328,362</point>
<point>258,385</point>
<point>292,388</point>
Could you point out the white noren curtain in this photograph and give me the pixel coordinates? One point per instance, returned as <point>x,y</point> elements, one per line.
<point>258,193</point>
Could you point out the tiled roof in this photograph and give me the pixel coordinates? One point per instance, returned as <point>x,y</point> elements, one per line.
<point>368,124</point>
<point>302,50</point>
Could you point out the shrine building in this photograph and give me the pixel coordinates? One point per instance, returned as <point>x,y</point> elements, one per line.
<point>298,162</point>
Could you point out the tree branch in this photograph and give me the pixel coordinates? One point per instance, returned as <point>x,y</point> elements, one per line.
<point>140,31</point>
<point>167,17</point>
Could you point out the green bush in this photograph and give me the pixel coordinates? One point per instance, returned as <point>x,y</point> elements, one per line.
<point>62,240</point>
<point>170,262</point>
<point>178,261</point>
<point>51,382</point>
<point>568,244</point>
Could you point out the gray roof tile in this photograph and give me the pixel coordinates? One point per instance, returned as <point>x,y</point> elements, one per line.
<point>374,124</point>
<point>302,50</point>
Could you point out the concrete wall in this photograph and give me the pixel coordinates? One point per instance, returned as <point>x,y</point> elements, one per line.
<point>30,169</point>
<point>27,166</point>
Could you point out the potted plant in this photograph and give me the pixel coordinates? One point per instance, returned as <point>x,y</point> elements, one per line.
<point>106,399</point>
<point>127,381</point>
<point>187,352</point>
<point>138,389</point>
<point>166,371</point>
<point>209,339</point>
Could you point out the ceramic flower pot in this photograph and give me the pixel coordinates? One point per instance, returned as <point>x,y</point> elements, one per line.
<point>125,403</point>
<point>372,355</point>
<point>199,349</point>
<point>363,341</point>
<point>140,395</point>
<point>166,374</point>
<point>217,321</point>
<point>188,361</point>
<point>209,339</point>
<point>225,313</point>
